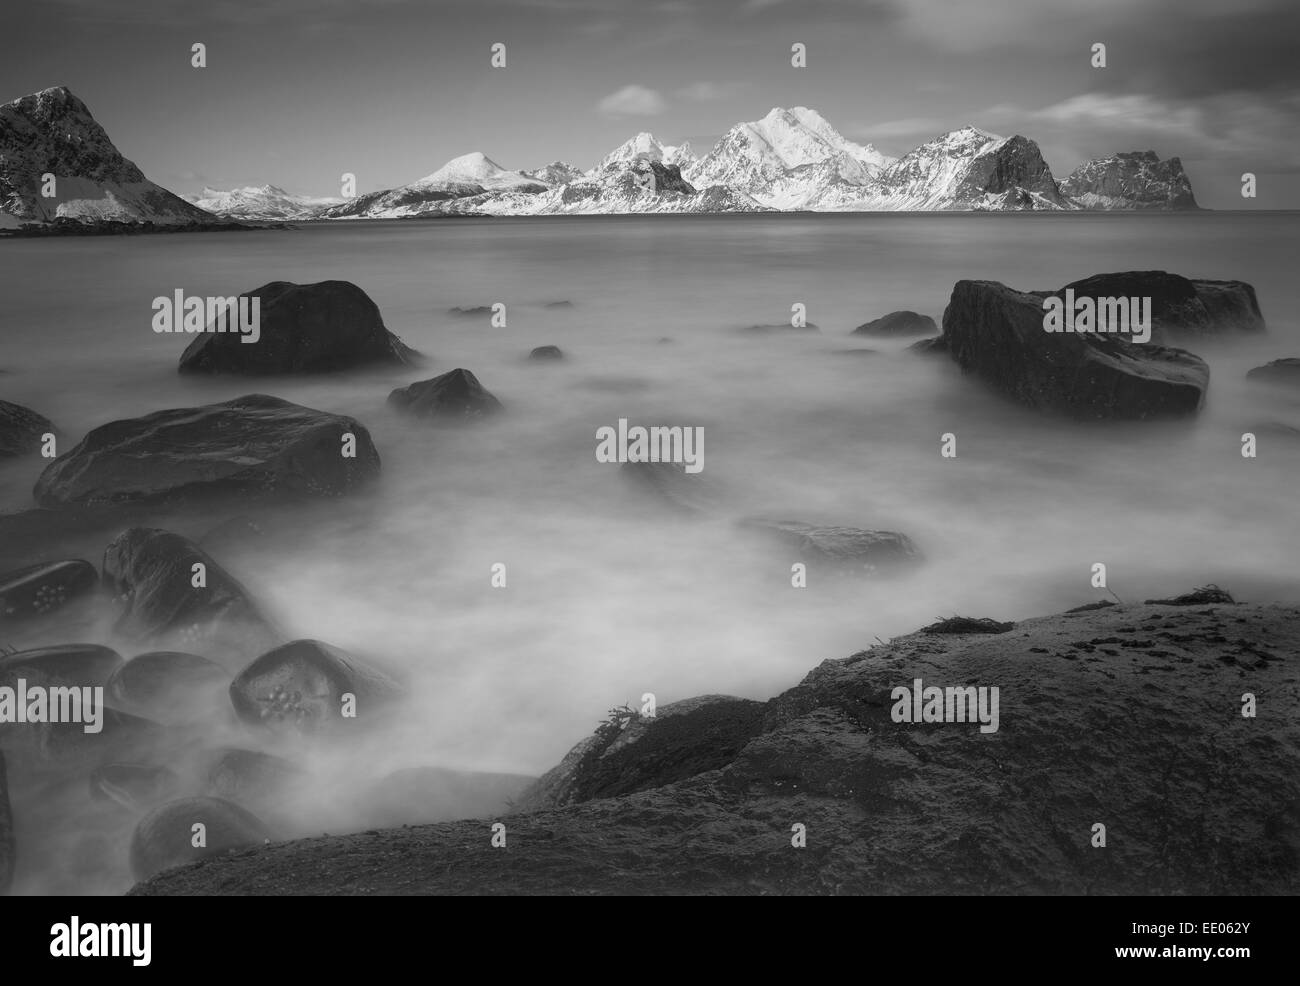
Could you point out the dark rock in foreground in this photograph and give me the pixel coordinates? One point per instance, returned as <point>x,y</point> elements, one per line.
<point>1129,716</point>
<point>455,397</point>
<point>20,430</point>
<point>997,333</point>
<point>1279,371</point>
<point>38,590</point>
<point>164,837</point>
<point>301,686</point>
<point>250,446</point>
<point>305,328</point>
<point>903,323</point>
<point>171,687</point>
<point>546,352</point>
<point>844,549</point>
<point>1180,307</point>
<point>152,572</point>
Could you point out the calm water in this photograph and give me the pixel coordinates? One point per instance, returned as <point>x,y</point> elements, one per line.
<point>606,600</point>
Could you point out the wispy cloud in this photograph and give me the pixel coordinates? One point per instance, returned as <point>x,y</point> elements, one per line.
<point>632,100</point>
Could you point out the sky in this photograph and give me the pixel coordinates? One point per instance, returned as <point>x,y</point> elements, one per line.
<point>297,92</point>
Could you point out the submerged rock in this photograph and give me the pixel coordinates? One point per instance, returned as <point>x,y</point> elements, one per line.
<point>765,328</point>
<point>546,352</point>
<point>135,786</point>
<point>902,323</point>
<point>304,328</point>
<point>171,687</point>
<point>301,686</point>
<point>20,430</point>
<point>997,333</point>
<point>153,573</point>
<point>165,836</point>
<point>672,486</point>
<point>250,446</point>
<point>846,549</point>
<point>39,590</point>
<point>1279,371</point>
<point>455,397</point>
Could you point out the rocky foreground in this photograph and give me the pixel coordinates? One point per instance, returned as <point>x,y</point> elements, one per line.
<point>1129,715</point>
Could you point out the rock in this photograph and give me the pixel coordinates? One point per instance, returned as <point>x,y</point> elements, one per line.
<point>850,550</point>
<point>170,687</point>
<point>1279,371</point>
<point>1179,307</point>
<point>1116,714</point>
<point>8,849</point>
<point>478,311</point>
<point>902,323</point>
<point>261,781</point>
<point>455,397</point>
<point>305,328</point>
<point>152,572</point>
<point>546,352</point>
<point>38,590</point>
<point>122,737</point>
<point>782,327</point>
<point>435,794</point>
<point>558,304</point>
<point>21,430</point>
<point>937,345</point>
<point>997,333</point>
<point>135,786</point>
<point>300,686</point>
<point>630,752</point>
<point>164,837</point>
<point>250,446</point>
<point>672,486</point>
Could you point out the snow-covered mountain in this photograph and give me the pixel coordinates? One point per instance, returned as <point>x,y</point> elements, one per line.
<point>52,132</point>
<point>791,159</point>
<point>261,202</point>
<point>1133,180</point>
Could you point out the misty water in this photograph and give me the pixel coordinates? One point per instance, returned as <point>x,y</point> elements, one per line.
<point>607,596</point>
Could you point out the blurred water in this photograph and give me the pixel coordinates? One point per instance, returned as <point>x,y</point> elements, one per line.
<point>607,600</point>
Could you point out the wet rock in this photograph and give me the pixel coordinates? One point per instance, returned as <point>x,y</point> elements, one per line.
<point>300,687</point>
<point>250,446</point>
<point>997,333</point>
<point>1279,371</point>
<point>134,786</point>
<point>546,352</point>
<point>170,687</point>
<point>850,550</point>
<point>39,590</point>
<point>20,430</point>
<point>164,837</point>
<point>305,328</point>
<point>152,574</point>
<point>937,345</point>
<point>1180,307</point>
<point>455,397</point>
<point>902,323</point>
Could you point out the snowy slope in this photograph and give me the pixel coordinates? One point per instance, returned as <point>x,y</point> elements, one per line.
<point>261,202</point>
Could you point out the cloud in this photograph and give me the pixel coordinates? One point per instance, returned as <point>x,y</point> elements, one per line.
<point>632,100</point>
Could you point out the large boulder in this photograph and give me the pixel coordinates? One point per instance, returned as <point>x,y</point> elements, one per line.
<point>904,323</point>
<point>153,574</point>
<point>997,333</point>
<point>38,590</point>
<point>301,686</point>
<point>165,837</point>
<point>20,430</point>
<point>304,328</point>
<point>1180,307</point>
<point>455,397</point>
<point>250,446</point>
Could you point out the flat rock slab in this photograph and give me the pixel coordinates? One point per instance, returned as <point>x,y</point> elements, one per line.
<point>304,328</point>
<point>250,446</point>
